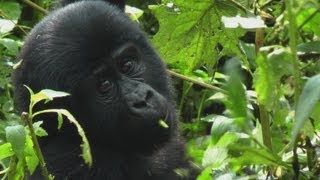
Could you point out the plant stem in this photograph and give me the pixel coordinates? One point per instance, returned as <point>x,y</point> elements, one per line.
<point>265,126</point>
<point>205,85</point>
<point>27,118</point>
<point>292,15</point>
<point>35,6</point>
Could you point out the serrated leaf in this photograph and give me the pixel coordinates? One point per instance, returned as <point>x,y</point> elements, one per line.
<point>308,99</point>
<point>32,160</point>
<point>236,100</point>
<point>190,31</point>
<point>86,151</point>
<point>214,156</point>
<point>16,135</point>
<point>271,66</point>
<point>219,127</point>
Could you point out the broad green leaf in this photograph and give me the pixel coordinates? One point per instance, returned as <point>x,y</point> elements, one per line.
<point>11,10</point>
<point>308,99</point>
<point>16,135</point>
<point>6,150</point>
<point>190,32</point>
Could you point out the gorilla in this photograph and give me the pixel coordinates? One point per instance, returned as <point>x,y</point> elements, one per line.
<point>119,92</point>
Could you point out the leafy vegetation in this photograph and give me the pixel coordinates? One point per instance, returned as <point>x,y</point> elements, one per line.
<point>246,80</point>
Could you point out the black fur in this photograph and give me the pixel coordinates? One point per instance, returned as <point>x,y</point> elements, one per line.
<point>81,48</point>
<point>119,3</point>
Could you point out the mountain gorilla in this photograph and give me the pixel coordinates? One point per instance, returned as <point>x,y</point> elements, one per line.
<point>119,92</point>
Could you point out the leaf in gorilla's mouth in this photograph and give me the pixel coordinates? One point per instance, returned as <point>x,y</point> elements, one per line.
<point>163,124</point>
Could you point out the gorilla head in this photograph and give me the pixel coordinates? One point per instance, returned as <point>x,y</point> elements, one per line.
<point>119,92</point>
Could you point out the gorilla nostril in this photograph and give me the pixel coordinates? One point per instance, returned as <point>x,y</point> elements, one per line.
<point>141,104</point>
<point>149,95</point>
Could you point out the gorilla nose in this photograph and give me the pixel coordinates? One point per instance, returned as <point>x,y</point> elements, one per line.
<point>141,98</point>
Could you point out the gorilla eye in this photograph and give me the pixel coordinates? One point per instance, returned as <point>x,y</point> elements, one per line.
<point>126,66</point>
<point>105,86</point>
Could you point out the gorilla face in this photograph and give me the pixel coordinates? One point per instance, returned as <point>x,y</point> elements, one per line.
<point>118,85</point>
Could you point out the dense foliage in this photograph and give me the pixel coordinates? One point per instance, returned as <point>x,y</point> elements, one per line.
<point>246,80</point>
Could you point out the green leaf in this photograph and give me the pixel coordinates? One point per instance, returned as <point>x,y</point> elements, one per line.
<point>309,25</point>
<point>32,160</point>
<point>86,152</point>
<point>6,151</point>
<point>309,47</point>
<point>220,126</point>
<point>254,155</point>
<point>16,135</point>
<point>39,131</point>
<point>214,156</point>
<point>190,31</point>
<point>271,67</point>
<point>236,100</point>
<point>307,101</point>
<point>205,174</point>
<point>11,45</point>
<point>60,120</point>
<point>11,10</point>
<point>45,94</point>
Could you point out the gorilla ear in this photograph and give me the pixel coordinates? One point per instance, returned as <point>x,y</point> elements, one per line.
<point>119,3</point>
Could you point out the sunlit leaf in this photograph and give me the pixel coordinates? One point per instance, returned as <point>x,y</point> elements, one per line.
<point>6,150</point>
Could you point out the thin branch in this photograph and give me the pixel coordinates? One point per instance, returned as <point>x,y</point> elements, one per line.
<point>8,18</point>
<point>25,116</point>
<point>35,6</point>
<point>205,85</point>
